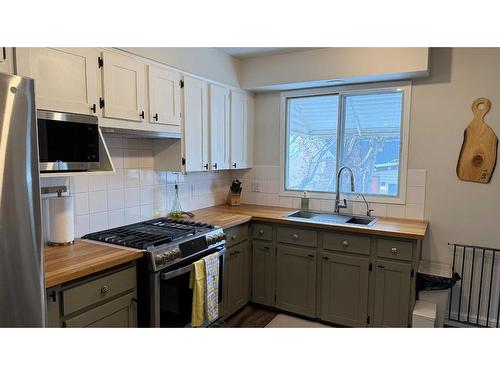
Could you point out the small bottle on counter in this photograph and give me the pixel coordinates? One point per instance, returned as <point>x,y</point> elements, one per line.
<point>304,201</point>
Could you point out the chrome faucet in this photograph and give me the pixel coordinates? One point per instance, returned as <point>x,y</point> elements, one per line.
<point>338,206</point>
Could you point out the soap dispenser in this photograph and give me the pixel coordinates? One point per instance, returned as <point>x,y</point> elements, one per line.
<point>304,201</point>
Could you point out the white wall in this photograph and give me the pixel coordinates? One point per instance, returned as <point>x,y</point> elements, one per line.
<point>302,69</point>
<point>458,211</point>
<point>209,63</point>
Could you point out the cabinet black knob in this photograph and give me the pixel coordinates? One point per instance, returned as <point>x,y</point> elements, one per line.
<point>141,115</point>
<point>234,165</point>
<point>214,166</point>
<point>206,166</point>
<point>156,117</point>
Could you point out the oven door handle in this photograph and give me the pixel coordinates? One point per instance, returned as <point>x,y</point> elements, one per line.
<point>185,269</point>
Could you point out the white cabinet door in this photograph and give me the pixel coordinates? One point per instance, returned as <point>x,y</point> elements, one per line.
<point>65,78</point>
<point>123,87</point>
<point>195,124</point>
<point>219,127</point>
<point>164,96</point>
<point>239,130</point>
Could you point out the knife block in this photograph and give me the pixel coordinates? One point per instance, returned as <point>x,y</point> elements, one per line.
<point>233,199</point>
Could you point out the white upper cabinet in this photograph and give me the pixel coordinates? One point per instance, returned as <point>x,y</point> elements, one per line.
<point>123,87</point>
<point>65,78</point>
<point>195,124</point>
<point>239,130</point>
<point>219,127</point>
<point>164,96</point>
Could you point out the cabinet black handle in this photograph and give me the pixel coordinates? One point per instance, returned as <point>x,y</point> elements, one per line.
<point>215,166</point>
<point>53,295</point>
<point>310,256</point>
<point>325,258</point>
<point>93,108</point>
<point>141,115</point>
<point>234,165</point>
<point>206,166</point>
<point>266,247</point>
<point>156,117</point>
<point>381,266</point>
<point>4,52</point>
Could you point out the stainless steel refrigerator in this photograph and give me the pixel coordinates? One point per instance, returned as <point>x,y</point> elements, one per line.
<point>22,301</point>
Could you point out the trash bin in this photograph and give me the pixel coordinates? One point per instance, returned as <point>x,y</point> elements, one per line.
<point>434,281</point>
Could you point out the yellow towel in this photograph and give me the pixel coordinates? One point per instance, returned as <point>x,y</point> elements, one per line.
<point>197,282</point>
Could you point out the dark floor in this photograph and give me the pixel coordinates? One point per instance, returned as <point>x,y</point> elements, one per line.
<point>250,316</point>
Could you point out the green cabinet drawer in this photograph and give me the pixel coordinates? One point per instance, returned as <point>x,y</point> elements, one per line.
<point>98,290</point>
<point>347,242</point>
<point>302,237</point>
<point>394,249</point>
<point>235,235</point>
<point>262,232</point>
<point>118,313</point>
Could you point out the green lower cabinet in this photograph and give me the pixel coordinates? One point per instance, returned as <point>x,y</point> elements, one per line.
<point>53,308</point>
<point>296,280</point>
<point>263,273</point>
<point>392,293</point>
<point>118,313</point>
<point>344,289</point>
<point>237,278</point>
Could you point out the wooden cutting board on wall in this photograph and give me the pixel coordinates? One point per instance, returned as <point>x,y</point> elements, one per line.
<point>478,155</point>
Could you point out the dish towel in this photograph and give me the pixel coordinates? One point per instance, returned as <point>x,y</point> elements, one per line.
<point>212,291</point>
<point>197,283</point>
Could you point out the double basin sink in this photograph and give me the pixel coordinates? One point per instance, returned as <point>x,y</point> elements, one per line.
<point>331,218</point>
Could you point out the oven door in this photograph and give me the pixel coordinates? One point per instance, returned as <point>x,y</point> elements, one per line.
<point>173,298</point>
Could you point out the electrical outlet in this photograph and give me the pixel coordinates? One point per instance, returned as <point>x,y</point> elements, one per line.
<point>256,186</point>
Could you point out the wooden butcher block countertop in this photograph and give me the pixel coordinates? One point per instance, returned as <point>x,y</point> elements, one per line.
<point>67,263</point>
<point>230,216</point>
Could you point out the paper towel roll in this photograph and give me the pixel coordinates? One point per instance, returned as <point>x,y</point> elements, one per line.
<point>61,220</point>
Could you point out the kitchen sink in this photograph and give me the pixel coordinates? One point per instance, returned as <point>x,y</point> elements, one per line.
<point>331,218</point>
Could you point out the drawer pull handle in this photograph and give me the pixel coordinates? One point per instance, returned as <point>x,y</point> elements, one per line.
<point>266,247</point>
<point>381,266</point>
<point>394,250</point>
<point>326,258</point>
<point>295,236</point>
<point>345,243</point>
<point>233,237</point>
<point>261,232</point>
<point>105,289</point>
<point>310,255</point>
<point>231,253</point>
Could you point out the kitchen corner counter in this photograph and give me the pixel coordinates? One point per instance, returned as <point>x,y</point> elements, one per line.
<point>67,263</point>
<point>230,216</point>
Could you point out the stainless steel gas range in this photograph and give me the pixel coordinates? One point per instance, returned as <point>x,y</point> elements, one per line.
<point>171,247</point>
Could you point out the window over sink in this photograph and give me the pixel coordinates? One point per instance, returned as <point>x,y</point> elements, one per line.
<point>364,127</point>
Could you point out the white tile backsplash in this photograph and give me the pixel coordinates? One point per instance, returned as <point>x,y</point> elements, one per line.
<point>98,221</point>
<point>98,201</point>
<point>116,199</point>
<point>416,177</point>
<point>415,194</point>
<point>136,191</point>
<point>97,183</point>
<point>267,179</point>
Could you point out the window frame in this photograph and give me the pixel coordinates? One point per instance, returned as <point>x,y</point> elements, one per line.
<point>401,86</point>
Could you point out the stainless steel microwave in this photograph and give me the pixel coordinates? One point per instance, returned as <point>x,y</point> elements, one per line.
<point>67,142</point>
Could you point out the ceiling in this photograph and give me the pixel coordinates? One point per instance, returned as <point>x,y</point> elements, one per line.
<point>248,52</point>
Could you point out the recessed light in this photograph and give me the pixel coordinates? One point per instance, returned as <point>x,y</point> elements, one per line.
<point>335,81</point>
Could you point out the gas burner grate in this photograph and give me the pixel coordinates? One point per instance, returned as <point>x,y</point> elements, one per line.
<point>149,234</point>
